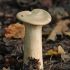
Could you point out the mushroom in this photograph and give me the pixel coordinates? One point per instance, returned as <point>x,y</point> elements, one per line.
<point>34,20</point>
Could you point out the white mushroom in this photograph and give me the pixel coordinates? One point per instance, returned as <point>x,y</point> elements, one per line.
<point>34,21</point>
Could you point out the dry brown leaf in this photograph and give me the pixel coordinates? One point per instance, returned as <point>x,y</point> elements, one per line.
<point>15,30</point>
<point>59,29</point>
<point>61,50</point>
<point>52,52</point>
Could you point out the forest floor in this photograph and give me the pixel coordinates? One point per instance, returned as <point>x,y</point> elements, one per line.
<point>11,52</point>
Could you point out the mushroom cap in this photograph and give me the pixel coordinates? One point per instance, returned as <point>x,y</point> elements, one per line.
<point>34,17</point>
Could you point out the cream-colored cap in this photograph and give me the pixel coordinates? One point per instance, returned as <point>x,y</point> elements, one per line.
<point>35,17</point>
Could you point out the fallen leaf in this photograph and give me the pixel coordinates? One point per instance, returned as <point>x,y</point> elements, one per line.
<point>59,29</point>
<point>52,52</point>
<point>65,57</point>
<point>15,30</point>
<point>67,33</point>
<point>61,50</point>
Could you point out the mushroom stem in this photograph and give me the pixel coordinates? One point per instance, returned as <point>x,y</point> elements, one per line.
<point>33,43</point>
<point>34,20</point>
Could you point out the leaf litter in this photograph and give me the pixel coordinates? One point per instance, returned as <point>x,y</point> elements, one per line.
<point>10,48</point>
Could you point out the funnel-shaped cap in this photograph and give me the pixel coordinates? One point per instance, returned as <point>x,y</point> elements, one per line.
<point>35,17</point>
